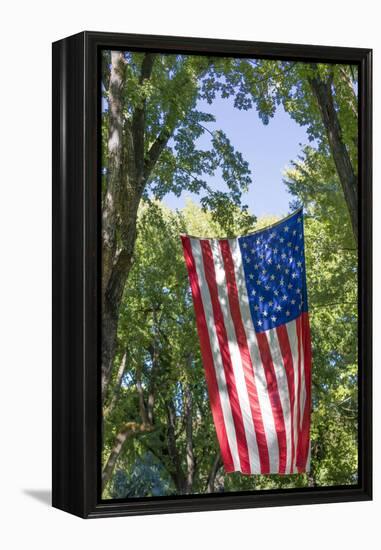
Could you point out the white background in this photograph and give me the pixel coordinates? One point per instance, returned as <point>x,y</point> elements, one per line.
<point>27,30</point>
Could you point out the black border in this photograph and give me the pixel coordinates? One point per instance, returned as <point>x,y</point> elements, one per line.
<point>76,268</point>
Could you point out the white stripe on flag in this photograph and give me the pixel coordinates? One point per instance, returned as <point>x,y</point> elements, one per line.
<point>281,377</point>
<point>236,359</point>
<point>260,378</point>
<point>293,339</point>
<point>303,394</point>
<point>217,360</point>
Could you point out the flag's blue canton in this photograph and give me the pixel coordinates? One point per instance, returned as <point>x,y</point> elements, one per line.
<point>275,273</point>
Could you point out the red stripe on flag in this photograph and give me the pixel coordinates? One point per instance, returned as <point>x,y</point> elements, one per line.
<point>305,434</point>
<point>245,356</point>
<point>210,275</point>
<point>299,338</point>
<point>285,349</point>
<point>273,392</point>
<point>207,357</point>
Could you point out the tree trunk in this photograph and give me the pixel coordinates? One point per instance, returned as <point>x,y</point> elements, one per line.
<point>213,473</point>
<point>126,178</point>
<point>323,93</point>
<point>190,458</point>
<point>130,166</point>
<point>112,298</point>
<point>114,168</point>
<point>176,470</point>
<point>116,388</point>
<point>131,429</point>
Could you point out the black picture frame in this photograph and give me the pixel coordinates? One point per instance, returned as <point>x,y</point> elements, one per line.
<point>76,270</point>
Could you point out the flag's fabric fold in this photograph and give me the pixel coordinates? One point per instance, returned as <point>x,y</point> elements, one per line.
<point>250,300</point>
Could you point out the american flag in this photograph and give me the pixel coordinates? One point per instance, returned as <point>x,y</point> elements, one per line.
<point>250,300</point>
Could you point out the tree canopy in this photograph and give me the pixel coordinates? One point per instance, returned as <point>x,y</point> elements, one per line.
<point>162,388</point>
<point>158,431</point>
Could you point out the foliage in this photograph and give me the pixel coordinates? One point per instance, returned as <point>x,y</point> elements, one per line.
<point>157,395</point>
<point>332,283</point>
<point>146,477</point>
<point>157,318</point>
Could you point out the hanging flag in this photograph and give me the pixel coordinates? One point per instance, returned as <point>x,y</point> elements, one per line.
<point>250,300</point>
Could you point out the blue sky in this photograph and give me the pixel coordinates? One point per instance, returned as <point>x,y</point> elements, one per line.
<point>268,150</point>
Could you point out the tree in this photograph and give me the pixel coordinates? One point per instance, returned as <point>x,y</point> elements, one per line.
<point>151,128</point>
<point>323,98</point>
<point>322,89</point>
<point>150,131</point>
<point>151,101</point>
<point>160,387</point>
<point>162,390</point>
<point>332,283</point>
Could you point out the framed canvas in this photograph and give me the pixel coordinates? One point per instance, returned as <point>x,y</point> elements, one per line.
<point>211,274</point>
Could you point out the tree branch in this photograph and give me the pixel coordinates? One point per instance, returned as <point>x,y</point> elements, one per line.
<point>217,463</point>
<point>138,118</point>
<point>118,382</point>
<point>130,429</point>
<point>331,304</point>
<point>322,91</point>
<point>155,151</point>
<point>190,458</point>
<point>172,447</point>
<point>139,387</point>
